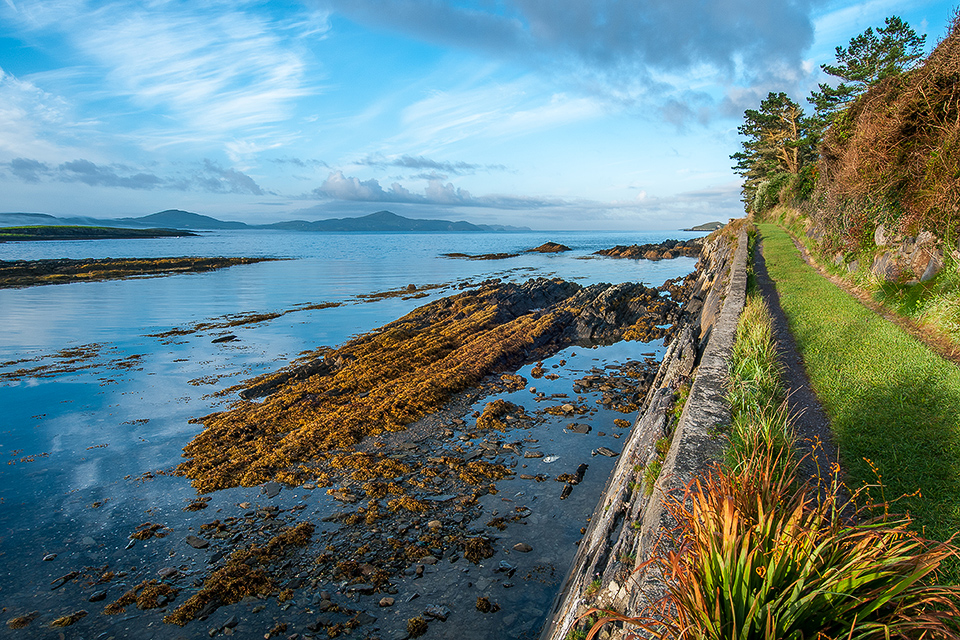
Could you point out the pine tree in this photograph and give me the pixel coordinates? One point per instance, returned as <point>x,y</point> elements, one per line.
<point>869,58</point>
<point>777,140</point>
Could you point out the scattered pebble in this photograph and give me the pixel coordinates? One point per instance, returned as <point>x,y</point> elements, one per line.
<point>386,602</point>
<point>522,547</point>
<point>49,557</point>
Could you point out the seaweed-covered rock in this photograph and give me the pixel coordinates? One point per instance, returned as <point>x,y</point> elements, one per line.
<point>385,379</point>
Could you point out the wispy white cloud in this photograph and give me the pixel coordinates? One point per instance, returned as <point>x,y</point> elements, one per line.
<point>490,111</point>
<point>211,68</point>
<point>34,122</point>
<point>421,163</point>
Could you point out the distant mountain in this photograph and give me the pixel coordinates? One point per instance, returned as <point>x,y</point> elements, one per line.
<point>379,221</point>
<point>23,219</point>
<point>184,220</point>
<point>176,219</point>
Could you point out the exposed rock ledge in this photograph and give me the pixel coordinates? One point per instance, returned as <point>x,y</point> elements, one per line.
<point>665,250</point>
<point>626,524</point>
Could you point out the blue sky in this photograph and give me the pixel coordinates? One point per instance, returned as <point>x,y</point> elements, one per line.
<point>553,114</point>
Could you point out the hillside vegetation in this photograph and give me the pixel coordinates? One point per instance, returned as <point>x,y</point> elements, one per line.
<point>870,181</point>
<point>893,156</point>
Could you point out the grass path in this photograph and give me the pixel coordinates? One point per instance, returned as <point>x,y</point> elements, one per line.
<point>891,400</point>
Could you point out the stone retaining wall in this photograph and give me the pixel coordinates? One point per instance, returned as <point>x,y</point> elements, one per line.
<point>626,524</point>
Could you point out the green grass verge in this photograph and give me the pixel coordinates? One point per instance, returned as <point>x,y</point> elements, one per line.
<point>894,404</point>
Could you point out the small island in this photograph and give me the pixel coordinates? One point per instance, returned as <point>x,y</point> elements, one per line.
<point>77,232</point>
<point>706,226</point>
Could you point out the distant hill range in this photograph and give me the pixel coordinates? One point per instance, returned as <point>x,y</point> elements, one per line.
<point>176,219</point>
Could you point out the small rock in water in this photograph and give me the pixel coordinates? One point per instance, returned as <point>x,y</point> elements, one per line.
<point>167,572</point>
<point>603,451</point>
<point>227,338</point>
<point>386,602</point>
<point>361,588</point>
<point>197,543</point>
<point>271,489</point>
<point>435,524</point>
<point>567,488</point>
<point>231,622</point>
<point>522,547</point>
<point>49,557</point>
<point>429,560</point>
<point>364,618</point>
<point>550,459</point>
<point>97,596</point>
<point>533,454</point>
<point>578,427</point>
<point>438,612</point>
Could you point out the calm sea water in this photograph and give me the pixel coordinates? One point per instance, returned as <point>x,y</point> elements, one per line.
<point>77,443</point>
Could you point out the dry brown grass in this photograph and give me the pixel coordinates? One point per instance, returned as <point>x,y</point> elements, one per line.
<point>894,156</point>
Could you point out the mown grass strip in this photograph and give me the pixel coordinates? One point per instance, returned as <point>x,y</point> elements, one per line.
<point>894,404</point>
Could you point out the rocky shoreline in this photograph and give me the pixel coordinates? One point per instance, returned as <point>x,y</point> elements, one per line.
<point>462,505</point>
<point>677,434</point>
<point>28,273</point>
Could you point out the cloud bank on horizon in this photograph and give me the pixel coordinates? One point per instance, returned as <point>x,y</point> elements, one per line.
<point>557,114</point>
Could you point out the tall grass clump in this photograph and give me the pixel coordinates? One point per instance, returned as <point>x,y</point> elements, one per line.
<point>760,555</point>
<point>759,419</point>
<point>762,559</point>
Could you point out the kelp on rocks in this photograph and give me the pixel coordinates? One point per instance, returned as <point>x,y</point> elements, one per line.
<point>385,379</point>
